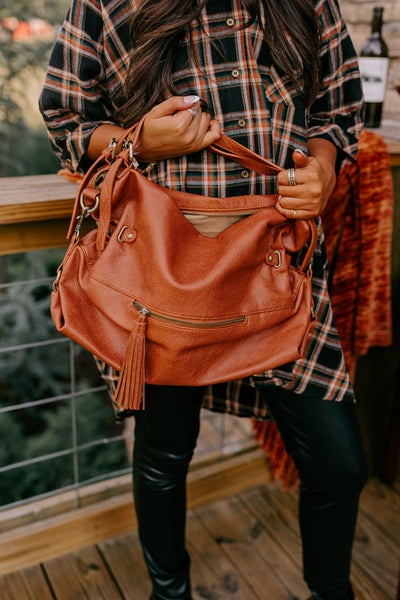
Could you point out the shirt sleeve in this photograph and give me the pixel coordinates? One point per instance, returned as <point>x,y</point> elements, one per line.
<point>337,113</point>
<point>73,101</point>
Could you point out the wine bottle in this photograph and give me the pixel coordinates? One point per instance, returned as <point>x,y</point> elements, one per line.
<point>374,64</point>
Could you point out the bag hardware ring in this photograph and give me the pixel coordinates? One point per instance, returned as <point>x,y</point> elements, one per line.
<point>86,211</point>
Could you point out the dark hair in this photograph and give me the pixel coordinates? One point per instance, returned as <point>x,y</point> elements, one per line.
<point>158,28</point>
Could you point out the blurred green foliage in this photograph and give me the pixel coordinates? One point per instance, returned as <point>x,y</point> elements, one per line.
<point>43,372</point>
<point>52,11</point>
<point>24,149</point>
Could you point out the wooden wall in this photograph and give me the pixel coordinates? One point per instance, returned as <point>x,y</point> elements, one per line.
<point>358,16</point>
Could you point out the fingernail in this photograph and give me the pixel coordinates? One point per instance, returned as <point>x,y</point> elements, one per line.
<point>191,99</point>
<point>300,151</point>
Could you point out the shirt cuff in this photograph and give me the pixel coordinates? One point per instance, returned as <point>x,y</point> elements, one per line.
<point>74,155</point>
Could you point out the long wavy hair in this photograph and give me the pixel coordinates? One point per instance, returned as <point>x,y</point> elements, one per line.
<point>158,28</point>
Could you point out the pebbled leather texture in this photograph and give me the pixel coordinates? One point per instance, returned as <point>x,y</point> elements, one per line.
<point>155,299</point>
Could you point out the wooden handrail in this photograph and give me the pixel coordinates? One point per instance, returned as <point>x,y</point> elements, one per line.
<point>34,212</point>
<point>35,198</point>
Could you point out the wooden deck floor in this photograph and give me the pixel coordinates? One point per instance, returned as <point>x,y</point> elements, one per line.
<point>245,547</point>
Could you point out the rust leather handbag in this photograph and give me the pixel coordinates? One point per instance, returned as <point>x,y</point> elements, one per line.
<point>152,297</point>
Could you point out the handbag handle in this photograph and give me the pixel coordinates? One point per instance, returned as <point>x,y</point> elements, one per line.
<point>224,146</point>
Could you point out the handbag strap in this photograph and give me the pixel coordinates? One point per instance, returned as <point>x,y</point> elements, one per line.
<point>224,146</point>
<point>306,263</point>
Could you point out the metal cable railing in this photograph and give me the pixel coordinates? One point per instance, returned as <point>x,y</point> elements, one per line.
<point>21,410</point>
<point>56,441</point>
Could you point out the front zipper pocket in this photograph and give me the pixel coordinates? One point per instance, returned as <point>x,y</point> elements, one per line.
<point>202,324</point>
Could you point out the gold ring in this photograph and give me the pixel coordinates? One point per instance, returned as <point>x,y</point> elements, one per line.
<point>294,214</point>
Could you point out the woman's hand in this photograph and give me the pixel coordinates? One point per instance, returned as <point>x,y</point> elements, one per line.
<point>176,127</point>
<point>315,181</point>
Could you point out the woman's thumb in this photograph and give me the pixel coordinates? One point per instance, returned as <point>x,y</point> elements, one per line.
<point>173,104</point>
<point>300,159</point>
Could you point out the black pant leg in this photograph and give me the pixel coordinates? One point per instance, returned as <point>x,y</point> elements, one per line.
<point>165,437</point>
<point>324,440</point>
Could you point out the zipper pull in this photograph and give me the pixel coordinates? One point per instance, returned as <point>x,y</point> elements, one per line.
<point>140,308</point>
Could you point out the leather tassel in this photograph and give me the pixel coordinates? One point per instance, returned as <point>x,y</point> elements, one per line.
<point>130,391</point>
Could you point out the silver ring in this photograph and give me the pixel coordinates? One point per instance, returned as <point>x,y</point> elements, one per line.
<point>294,214</point>
<point>291,177</point>
<point>192,110</point>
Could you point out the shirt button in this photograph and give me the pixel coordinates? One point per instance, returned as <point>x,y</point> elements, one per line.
<point>235,73</point>
<point>242,122</point>
<point>230,22</point>
<point>245,174</point>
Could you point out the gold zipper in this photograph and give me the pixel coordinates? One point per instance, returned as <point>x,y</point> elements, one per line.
<point>228,213</point>
<point>147,313</point>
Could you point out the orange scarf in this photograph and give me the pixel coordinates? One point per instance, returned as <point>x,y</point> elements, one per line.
<point>358,234</point>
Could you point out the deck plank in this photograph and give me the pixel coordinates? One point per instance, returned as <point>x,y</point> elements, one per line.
<point>382,505</point>
<point>277,511</point>
<point>124,558</point>
<point>251,548</point>
<point>29,584</point>
<point>378,555</point>
<point>244,547</point>
<point>81,574</point>
<point>214,575</point>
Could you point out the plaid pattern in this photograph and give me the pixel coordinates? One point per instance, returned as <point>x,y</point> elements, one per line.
<point>254,103</point>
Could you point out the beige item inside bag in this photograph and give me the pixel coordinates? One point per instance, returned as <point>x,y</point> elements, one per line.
<point>212,225</point>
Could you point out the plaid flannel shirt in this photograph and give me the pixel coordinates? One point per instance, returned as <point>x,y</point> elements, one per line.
<point>254,103</point>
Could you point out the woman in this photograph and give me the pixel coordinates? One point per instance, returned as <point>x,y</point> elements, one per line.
<point>281,77</point>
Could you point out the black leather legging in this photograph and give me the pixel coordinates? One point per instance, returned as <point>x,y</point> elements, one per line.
<point>323,438</point>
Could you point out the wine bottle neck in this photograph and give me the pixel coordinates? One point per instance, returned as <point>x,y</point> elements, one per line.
<point>377,21</point>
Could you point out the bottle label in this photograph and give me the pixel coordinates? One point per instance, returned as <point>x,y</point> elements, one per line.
<point>374,72</point>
